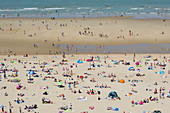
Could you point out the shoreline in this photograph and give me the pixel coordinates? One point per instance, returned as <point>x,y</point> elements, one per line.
<point>135,16</point>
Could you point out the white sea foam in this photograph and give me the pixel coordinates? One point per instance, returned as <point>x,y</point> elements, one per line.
<point>6,10</point>
<point>142,13</point>
<point>33,8</point>
<point>141,8</point>
<point>167,9</point>
<point>83,8</point>
<point>129,13</point>
<point>17,10</point>
<point>54,8</point>
<point>153,13</point>
<point>108,8</point>
<point>134,8</point>
<point>158,9</point>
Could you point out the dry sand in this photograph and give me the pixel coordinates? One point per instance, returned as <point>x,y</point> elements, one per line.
<point>79,106</point>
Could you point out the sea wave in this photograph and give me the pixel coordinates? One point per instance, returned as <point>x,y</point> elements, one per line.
<point>33,8</point>
<point>29,9</point>
<point>134,8</point>
<point>54,8</point>
<point>153,13</point>
<point>158,9</point>
<point>16,10</point>
<point>141,8</point>
<point>83,8</point>
<point>108,8</point>
<point>142,13</point>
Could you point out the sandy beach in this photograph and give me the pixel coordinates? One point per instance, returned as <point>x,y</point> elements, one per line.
<point>91,77</point>
<point>37,75</point>
<point>42,35</point>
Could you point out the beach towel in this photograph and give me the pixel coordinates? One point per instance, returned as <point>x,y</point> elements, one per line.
<point>19,102</point>
<point>82,99</point>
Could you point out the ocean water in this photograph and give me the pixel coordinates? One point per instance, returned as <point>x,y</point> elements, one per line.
<point>87,8</point>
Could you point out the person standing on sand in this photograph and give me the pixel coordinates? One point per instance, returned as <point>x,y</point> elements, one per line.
<point>10,110</point>
<point>20,111</point>
<point>10,105</point>
<point>133,59</point>
<point>2,109</point>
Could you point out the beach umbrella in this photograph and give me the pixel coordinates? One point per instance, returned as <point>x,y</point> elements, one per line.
<point>161,72</point>
<point>131,68</point>
<point>16,80</point>
<point>112,94</point>
<point>137,63</point>
<point>67,110</point>
<point>81,77</point>
<point>32,72</point>
<point>88,60</point>
<point>60,83</point>
<point>79,61</point>
<point>115,62</point>
<point>122,81</point>
<point>19,85</point>
<point>120,58</point>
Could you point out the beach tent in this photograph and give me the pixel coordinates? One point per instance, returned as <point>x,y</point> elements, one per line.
<point>79,61</point>
<point>113,94</point>
<point>32,72</point>
<point>131,69</point>
<point>157,111</point>
<point>121,81</point>
<point>67,110</point>
<point>162,72</point>
<point>127,63</point>
<point>16,80</point>
<point>116,61</point>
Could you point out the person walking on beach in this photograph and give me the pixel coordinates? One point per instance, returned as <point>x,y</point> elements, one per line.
<point>2,109</point>
<point>10,110</point>
<point>163,94</point>
<point>4,74</point>
<point>20,111</point>
<point>133,59</point>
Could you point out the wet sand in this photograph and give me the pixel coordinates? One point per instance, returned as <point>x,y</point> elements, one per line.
<point>20,34</point>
